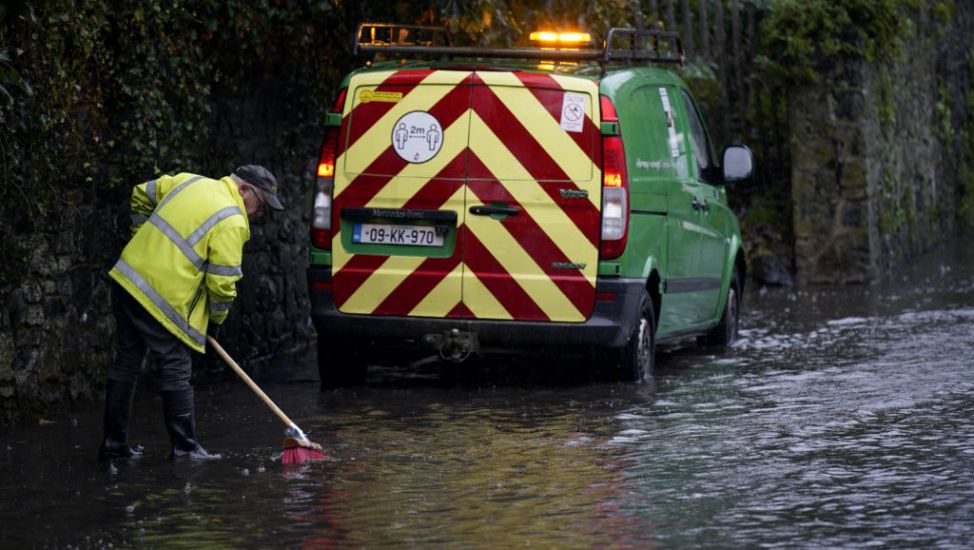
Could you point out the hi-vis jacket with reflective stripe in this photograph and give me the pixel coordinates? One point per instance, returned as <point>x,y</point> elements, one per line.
<point>184,258</point>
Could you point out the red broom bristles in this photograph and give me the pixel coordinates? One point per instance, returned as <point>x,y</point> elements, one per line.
<point>300,455</point>
<point>300,450</point>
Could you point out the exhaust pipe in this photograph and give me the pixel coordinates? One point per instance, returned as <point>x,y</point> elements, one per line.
<point>453,346</point>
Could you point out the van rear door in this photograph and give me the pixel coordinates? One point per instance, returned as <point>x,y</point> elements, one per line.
<point>399,194</point>
<point>532,221</point>
<point>468,195</point>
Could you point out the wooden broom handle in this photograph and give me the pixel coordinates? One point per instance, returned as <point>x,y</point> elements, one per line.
<point>240,372</point>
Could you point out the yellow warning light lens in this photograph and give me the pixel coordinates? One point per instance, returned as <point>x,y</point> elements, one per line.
<point>539,36</point>
<point>574,37</point>
<point>565,38</point>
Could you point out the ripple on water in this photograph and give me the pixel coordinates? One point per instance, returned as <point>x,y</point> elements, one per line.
<point>841,419</point>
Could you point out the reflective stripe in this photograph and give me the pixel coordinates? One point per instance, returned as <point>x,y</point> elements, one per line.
<point>138,219</point>
<point>216,218</point>
<point>225,270</point>
<point>186,245</point>
<point>157,299</point>
<point>177,239</point>
<point>220,306</point>
<point>150,189</point>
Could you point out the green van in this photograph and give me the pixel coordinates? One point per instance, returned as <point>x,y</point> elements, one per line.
<point>559,198</point>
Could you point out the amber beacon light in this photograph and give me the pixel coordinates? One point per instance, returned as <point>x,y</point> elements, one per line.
<point>563,39</point>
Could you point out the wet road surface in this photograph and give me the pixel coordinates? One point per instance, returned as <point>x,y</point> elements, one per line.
<point>841,419</point>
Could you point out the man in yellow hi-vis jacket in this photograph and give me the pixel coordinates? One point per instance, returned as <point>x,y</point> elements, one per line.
<point>176,275</point>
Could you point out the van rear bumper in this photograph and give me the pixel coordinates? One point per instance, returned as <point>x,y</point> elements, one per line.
<point>609,325</point>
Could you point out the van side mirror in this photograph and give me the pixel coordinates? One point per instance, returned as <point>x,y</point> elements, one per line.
<point>738,163</point>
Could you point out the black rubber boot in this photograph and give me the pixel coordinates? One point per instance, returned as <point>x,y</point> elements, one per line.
<point>119,397</point>
<point>180,422</point>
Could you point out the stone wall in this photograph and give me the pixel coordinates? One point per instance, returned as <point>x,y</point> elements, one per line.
<point>54,327</point>
<point>877,155</point>
<point>830,186</point>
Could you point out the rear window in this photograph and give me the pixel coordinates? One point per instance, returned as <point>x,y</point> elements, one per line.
<point>659,144</point>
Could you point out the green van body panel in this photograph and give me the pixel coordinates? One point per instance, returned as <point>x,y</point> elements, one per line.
<point>687,247</point>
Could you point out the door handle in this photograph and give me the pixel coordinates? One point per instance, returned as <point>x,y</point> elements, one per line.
<point>488,210</point>
<point>701,205</point>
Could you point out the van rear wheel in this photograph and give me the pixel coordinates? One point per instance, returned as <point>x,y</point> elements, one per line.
<point>338,366</point>
<point>725,333</point>
<point>639,355</point>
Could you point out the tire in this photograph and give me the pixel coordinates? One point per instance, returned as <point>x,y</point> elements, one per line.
<point>337,367</point>
<point>639,356</point>
<point>725,333</point>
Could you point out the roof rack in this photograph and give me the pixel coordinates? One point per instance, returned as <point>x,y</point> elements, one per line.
<point>644,46</point>
<point>387,36</point>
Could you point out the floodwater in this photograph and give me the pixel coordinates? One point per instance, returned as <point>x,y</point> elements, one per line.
<point>841,419</point>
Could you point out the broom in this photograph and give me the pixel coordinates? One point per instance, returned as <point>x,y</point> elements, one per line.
<point>298,449</point>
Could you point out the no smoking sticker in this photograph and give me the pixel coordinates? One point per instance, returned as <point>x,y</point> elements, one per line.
<point>417,137</point>
<point>573,108</point>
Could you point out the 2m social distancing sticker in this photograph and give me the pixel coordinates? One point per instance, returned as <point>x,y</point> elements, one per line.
<point>417,137</point>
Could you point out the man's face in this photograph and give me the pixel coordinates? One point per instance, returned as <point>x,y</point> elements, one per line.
<point>254,201</point>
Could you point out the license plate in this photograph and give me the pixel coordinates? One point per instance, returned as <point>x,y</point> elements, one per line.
<point>410,235</point>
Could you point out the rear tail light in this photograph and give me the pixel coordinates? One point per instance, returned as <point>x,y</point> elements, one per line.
<point>615,189</point>
<point>321,214</point>
<point>322,210</point>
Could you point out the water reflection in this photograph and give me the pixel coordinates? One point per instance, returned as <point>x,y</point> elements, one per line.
<point>505,468</point>
<point>841,419</point>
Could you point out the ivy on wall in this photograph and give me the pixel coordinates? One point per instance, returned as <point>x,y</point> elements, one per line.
<point>97,95</point>
<point>965,207</point>
<point>805,38</point>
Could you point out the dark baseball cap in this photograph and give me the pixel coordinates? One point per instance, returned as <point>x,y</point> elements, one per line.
<point>261,178</point>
